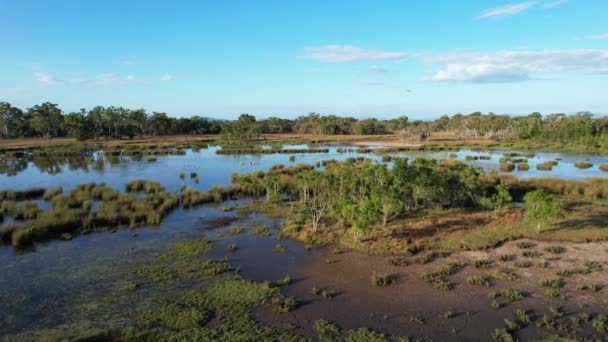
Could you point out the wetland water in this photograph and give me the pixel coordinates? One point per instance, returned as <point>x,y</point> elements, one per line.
<point>77,287</point>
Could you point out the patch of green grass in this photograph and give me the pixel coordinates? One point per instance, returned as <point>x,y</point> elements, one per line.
<point>157,274</point>
<point>173,316</point>
<point>186,249</point>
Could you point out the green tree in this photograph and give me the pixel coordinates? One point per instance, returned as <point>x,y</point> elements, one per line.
<point>77,125</point>
<point>540,208</point>
<point>46,119</point>
<point>10,120</point>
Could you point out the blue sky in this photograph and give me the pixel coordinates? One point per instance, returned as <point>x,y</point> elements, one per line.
<point>285,58</point>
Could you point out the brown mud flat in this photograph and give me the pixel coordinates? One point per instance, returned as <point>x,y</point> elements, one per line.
<point>414,308</point>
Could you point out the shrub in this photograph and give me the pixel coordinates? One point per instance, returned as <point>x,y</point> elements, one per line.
<point>604,167</point>
<point>523,167</point>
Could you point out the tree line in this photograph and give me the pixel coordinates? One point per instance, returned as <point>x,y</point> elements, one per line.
<point>48,120</point>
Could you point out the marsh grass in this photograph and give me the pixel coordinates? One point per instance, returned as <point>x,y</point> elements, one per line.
<point>604,167</point>
<point>381,279</point>
<point>600,324</point>
<point>532,254</point>
<point>325,329</point>
<point>522,263</point>
<point>552,283</point>
<point>546,166</point>
<point>507,257</point>
<point>430,257</point>
<point>556,249</point>
<point>523,167</point>
<point>589,287</point>
<point>260,230</point>
<point>279,249</point>
<point>286,281</point>
<point>503,275</point>
<point>523,317</point>
<point>583,165</point>
<point>236,230</point>
<point>525,244</point>
<point>506,167</point>
<point>485,263</point>
<point>479,281</point>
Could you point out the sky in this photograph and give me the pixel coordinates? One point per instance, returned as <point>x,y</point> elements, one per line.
<point>378,59</point>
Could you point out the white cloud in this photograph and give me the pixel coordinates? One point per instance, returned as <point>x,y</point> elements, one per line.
<point>127,62</point>
<point>515,66</point>
<point>349,53</point>
<point>131,78</point>
<point>166,77</point>
<point>506,10</point>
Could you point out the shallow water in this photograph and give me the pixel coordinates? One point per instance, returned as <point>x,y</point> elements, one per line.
<point>214,169</point>
<point>81,283</point>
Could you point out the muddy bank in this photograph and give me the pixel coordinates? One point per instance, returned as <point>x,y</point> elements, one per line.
<point>412,307</point>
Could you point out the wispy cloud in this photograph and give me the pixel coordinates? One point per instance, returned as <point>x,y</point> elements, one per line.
<point>515,66</point>
<point>602,36</point>
<point>374,69</point>
<point>127,62</point>
<point>48,79</point>
<point>349,53</point>
<point>507,10</point>
<point>166,77</point>
<point>553,4</point>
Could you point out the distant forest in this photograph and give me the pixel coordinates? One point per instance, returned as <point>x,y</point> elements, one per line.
<point>48,120</point>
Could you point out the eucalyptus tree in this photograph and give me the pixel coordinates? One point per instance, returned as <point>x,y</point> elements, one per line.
<point>46,119</point>
<point>316,194</point>
<point>11,120</point>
